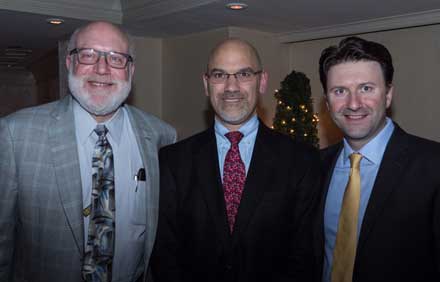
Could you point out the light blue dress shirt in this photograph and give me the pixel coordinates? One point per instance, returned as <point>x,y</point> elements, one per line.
<point>372,153</point>
<point>246,145</point>
<point>129,194</point>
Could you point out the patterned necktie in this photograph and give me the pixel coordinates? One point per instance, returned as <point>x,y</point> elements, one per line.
<point>97,265</point>
<point>234,176</point>
<point>346,238</point>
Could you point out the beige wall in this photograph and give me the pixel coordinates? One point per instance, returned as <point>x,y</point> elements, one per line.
<point>273,55</point>
<point>416,55</point>
<point>185,105</point>
<point>18,90</point>
<point>147,81</point>
<point>168,77</point>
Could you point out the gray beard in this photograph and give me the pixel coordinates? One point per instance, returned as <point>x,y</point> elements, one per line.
<point>114,101</point>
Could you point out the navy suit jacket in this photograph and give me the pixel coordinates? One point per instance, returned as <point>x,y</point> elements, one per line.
<point>400,233</point>
<point>272,236</point>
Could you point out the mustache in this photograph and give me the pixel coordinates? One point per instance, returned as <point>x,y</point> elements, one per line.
<point>100,79</point>
<point>360,111</point>
<point>232,95</point>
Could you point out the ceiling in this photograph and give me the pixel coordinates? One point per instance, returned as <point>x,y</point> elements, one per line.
<point>24,26</point>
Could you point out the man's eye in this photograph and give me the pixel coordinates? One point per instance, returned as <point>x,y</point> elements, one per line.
<point>366,88</point>
<point>116,59</point>
<point>245,74</point>
<point>218,75</point>
<point>86,55</point>
<point>339,91</point>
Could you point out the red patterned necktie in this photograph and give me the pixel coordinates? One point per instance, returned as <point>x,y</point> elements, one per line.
<point>234,176</point>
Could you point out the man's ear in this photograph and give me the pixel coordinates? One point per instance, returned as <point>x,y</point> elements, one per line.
<point>205,84</point>
<point>68,61</point>
<point>264,78</point>
<point>326,101</point>
<point>132,68</point>
<point>389,95</point>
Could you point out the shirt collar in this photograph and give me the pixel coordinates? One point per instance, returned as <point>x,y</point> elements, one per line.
<point>247,128</point>
<point>373,151</point>
<point>85,123</point>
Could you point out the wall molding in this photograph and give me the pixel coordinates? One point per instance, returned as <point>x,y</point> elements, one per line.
<point>79,9</point>
<point>380,24</point>
<point>140,10</point>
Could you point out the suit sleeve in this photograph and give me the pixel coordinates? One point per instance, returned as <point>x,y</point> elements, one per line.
<point>8,201</point>
<point>303,262</point>
<point>165,265</point>
<point>436,228</point>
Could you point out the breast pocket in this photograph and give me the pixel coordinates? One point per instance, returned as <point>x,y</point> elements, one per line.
<point>138,206</point>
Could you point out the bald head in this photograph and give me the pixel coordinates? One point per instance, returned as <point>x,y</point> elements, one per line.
<point>234,46</point>
<point>101,29</point>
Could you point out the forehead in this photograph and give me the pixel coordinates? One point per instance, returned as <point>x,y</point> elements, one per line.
<point>355,73</point>
<point>233,57</point>
<point>103,37</point>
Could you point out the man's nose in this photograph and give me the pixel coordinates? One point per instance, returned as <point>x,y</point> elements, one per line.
<point>231,83</point>
<point>101,66</point>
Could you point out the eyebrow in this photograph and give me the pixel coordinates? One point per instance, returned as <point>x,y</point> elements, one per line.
<point>240,70</point>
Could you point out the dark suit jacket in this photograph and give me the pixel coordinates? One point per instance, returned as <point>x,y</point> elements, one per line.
<point>400,233</point>
<point>271,239</point>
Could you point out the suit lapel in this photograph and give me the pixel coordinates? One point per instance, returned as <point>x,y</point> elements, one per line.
<point>149,154</point>
<point>390,171</point>
<point>329,157</point>
<point>261,171</point>
<point>208,180</point>
<point>66,165</point>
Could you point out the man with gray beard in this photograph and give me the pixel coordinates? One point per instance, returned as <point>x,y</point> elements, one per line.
<point>237,200</point>
<point>79,176</point>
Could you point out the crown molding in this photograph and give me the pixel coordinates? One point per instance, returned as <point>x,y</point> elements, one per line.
<point>138,10</point>
<point>79,9</point>
<point>380,24</point>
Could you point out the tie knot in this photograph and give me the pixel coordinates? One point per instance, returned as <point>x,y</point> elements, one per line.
<point>355,160</point>
<point>100,130</point>
<point>234,137</point>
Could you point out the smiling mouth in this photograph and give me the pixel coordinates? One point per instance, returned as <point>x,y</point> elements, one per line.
<point>100,84</point>
<point>232,100</point>
<point>355,117</point>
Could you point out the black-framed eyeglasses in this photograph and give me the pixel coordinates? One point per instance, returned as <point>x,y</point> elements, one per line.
<point>90,56</point>
<point>218,77</point>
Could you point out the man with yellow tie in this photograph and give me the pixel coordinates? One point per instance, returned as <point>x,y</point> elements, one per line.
<point>381,203</point>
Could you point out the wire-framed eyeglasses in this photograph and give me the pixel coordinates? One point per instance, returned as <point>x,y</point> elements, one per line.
<point>218,77</point>
<point>90,56</point>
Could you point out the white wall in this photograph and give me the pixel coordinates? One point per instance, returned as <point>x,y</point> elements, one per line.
<point>416,55</point>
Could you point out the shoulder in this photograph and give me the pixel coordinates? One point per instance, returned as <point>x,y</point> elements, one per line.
<point>417,146</point>
<point>156,127</point>
<point>192,145</point>
<point>28,119</point>
<point>282,145</point>
<point>152,120</point>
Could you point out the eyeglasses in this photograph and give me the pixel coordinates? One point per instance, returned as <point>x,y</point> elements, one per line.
<point>218,77</point>
<point>90,56</point>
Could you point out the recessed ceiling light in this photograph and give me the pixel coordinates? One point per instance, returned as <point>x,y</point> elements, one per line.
<point>55,21</point>
<point>236,6</point>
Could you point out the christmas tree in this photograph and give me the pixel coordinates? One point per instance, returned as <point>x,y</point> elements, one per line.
<point>294,112</point>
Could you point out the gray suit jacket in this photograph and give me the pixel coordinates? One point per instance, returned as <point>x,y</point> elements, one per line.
<point>41,224</point>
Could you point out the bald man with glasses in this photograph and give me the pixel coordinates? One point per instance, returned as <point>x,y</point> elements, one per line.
<point>79,177</point>
<point>236,200</point>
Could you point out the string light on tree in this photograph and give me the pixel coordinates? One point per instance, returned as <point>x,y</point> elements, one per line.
<point>294,111</point>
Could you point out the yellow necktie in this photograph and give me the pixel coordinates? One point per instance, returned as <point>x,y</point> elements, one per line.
<point>346,238</point>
